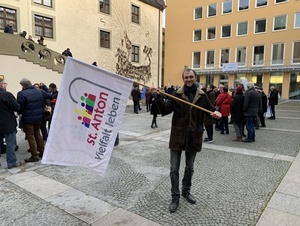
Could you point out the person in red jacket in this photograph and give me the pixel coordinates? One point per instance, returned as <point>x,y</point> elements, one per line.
<point>223,102</point>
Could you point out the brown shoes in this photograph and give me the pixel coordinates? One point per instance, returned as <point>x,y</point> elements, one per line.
<point>32,159</point>
<point>237,139</point>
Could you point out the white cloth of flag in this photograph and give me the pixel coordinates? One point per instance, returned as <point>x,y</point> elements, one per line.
<point>87,116</point>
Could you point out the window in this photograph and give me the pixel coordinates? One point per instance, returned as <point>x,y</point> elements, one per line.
<point>296,53</point>
<point>104,39</point>
<point>43,26</point>
<point>260,3</point>
<point>227,6</point>
<point>211,33</point>
<point>224,56</point>
<point>241,56</point>
<point>196,59</point>
<point>104,6</point>
<point>135,53</point>
<point>277,53</point>
<point>243,5</point>
<point>226,31</point>
<point>279,23</point>
<point>135,14</point>
<point>7,15</point>
<point>212,10</point>
<point>210,58</point>
<point>44,2</point>
<point>198,13</point>
<point>242,28</point>
<point>260,26</point>
<point>258,56</point>
<point>279,1</point>
<point>197,35</point>
<point>294,92</point>
<point>297,20</point>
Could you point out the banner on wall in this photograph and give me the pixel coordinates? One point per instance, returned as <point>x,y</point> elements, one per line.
<point>87,116</point>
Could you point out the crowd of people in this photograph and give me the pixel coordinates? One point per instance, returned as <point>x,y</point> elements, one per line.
<point>34,106</point>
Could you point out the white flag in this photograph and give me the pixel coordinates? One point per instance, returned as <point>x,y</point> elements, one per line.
<point>87,116</point>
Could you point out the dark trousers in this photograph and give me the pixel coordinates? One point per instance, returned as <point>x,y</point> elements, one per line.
<point>224,124</point>
<point>273,110</point>
<point>136,106</point>
<point>174,172</point>
<point>44,129</point>
<point>250,127</point>
<point>209,130</point>
<point>153,124</point>
<point>262,119</point>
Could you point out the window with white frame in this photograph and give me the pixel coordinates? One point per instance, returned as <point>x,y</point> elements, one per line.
<point>277,53</point>
<point>212,10</point>
<point>196,59</point>
<point>197,35</point>
<point>7,15</point>
<point>226,31</point>
<point>210,58</point>
<point>43,26</point>
<point>296,53</point>
<point>243,5</point>
<point>297,20</point>
<point>260,26</point>
<point>44,2</point>
<point>227,6</point>
<point>224,56</point>
<point>242,28</point>
<point>198,13</point>
<point>258,55</point>
<point>260,3</point>
<point>241,56</point>
<point>279,23</point>
<point>280,1</point>
<point>135,53</point>
<point>211,33</point>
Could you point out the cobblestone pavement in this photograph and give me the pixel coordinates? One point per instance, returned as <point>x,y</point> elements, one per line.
<point>233,182</point>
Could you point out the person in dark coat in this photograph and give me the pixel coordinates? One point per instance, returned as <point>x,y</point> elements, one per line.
<point>8,124</point>
<point>31,102</point>
<point>136,97</point>
<point>208,120</point>
<point>67,53</point>
<point>273,100</point>
<point>237,115</point>
<point>223,101</point>
<point>251,104</point>
<point>154,109</point>
<point>54,94</point>
<point>186,133</point>
<point>9,28</point>
<point>147,99</point>
<point>264,103</point>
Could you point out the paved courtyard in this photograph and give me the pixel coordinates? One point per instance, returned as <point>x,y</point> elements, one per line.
<point>234,183</point>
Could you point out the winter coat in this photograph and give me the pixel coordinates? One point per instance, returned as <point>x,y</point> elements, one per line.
<point>208,120</point>
<point>136,94</point>
<point>224,100</point>
<point>8,105</point>
<point>187,121</point>
<point>8,29</point>
<point>273,98</point>
<point>252,102</point>
<point>154,109</point>
<point>236,108</point>
<point>264,102</point>
<point>32,102</point>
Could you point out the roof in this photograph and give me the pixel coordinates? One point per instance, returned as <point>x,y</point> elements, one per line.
<point>160,4</point>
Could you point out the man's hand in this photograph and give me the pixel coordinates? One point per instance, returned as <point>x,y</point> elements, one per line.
<point>216,114</point>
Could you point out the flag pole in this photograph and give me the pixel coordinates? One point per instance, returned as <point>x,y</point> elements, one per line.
<point>176,98</point>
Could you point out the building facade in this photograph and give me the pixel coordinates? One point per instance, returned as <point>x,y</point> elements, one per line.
<point>122,36</point>
<point>230,41</point>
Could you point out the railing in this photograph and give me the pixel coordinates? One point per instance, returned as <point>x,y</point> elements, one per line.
<point>15,45</point>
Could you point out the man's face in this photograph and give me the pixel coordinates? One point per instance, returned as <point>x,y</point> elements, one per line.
<point>3,85</point>
<point>189,78</point>
<point>208,88</point>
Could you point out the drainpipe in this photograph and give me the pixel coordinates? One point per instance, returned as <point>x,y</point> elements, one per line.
<point>159,33</point>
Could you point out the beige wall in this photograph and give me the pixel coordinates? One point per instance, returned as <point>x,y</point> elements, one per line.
<point>77,26</point>
<point>180,26</point>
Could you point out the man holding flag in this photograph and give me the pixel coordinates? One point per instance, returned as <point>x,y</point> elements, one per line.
<point>186,132</point>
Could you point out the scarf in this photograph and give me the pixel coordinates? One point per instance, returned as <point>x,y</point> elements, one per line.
<point>190,92</point>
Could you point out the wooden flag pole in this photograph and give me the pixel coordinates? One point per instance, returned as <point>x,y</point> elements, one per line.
<point>176,98</point>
